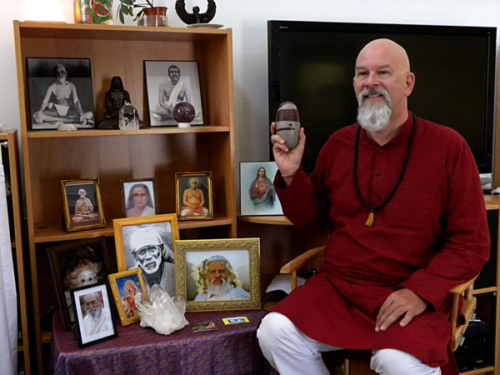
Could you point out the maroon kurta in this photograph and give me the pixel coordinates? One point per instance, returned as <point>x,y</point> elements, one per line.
<point>432,235</point>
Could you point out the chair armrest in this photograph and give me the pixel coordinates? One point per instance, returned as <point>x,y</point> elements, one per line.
<point>300,261</point>
<point>469,305</point>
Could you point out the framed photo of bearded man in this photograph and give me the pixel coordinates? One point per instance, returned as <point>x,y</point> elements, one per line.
<point>168,84</point>
<point>60,93</point>
<point>82,204</point>
<point>94,314</point>
<point>220,274</point>
<point>193,193</point>
<point>148,243</point>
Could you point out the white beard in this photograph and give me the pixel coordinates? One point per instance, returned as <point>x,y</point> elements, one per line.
<point>374,117</point>
<point>218,290</point>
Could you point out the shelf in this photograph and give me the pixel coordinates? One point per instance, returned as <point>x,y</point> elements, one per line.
<point>51,233</point>
<point>269,220</point>
<point>46,337</point>
<point>43,134</point>
<point>116,32</point>
<point>479,371</point>
<point>492,289</point>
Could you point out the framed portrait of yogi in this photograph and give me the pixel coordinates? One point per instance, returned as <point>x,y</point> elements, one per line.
<point>222,274</point>
<point>82,204</point>
<point>169,83</point>
<point>139,197</point>
<point>60,92</point>
<point>257,194</point>
<point>94,316</point>
<point>148,243</point>
<point>193,195</point>
<point>76,264</point>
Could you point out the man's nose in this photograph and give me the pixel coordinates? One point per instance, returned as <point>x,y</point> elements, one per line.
<point>371,80</point>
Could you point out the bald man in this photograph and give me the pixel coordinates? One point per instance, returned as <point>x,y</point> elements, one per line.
<point>403,199</point>
<point>154,257</point>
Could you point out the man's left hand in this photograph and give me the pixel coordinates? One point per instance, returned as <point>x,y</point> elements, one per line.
<point>402,303</point>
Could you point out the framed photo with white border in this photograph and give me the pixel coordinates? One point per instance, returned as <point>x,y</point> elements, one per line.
<point>94,318</point>
<point>222,274</point>
<point>169,83</point>
<point>139,197</point>
<point>257,194</point>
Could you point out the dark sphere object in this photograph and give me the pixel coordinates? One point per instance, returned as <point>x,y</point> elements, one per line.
<point>184,113</point>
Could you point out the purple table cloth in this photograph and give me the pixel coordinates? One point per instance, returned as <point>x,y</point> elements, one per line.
<point>231,350</point>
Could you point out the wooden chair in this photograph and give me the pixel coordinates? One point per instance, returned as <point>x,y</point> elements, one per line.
<point>313,258</point>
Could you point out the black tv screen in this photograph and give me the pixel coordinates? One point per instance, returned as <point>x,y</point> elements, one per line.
<point>312,65</point>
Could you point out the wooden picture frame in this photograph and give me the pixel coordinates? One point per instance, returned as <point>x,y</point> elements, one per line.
<point>139,197</point>
<point>76,264</point>
<point>92,328</point>
<point>84,212</point>
<point>192,205</point>
<point>124,285</point>
<point>237,259</point>
<point>172,82</point>
<point>257,194</point>
<point>149,243</point>
<point>55,85</point>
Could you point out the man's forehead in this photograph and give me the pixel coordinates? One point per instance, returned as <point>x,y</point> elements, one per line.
<point>217,263</point>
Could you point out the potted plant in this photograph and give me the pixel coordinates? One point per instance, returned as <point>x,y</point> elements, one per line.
<point>126,8</point>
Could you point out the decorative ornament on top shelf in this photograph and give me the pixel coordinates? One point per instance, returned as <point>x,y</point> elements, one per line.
<point>93,11</point>
<point>148,15</point>
<point>196,19</point>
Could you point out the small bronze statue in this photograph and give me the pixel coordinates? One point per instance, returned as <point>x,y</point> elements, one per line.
<point>114,99</point>
<point>196,16</point>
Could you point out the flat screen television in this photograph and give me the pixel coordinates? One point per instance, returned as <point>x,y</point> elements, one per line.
<point>312,65</point>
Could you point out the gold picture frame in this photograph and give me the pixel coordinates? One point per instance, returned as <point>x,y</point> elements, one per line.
<point>122,284</point>
<point>239,261</point>
<point>159,231</point>
<point>84,212</point>
<point>184,188</point>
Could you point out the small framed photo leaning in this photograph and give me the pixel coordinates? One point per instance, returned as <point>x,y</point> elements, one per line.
<point>82,204</point>
<point>218,274</point>
<point>60,93</point>
<point>74,265</point>
<point>148,243</point>
<point>139,197</point>
<point>94,318</point>
<point>168,84</point>
<point>125,286</point>
<point>257,194</point>
<point>193,195</point>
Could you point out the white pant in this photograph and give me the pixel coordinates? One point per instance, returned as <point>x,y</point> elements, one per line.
<point>291,352</point>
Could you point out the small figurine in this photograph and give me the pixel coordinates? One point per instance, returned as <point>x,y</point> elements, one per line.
<point>288,124</point>
<point>196,16</point>
<point>114,100</point>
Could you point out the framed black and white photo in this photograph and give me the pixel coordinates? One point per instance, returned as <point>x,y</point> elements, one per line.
<point>257,194</point>
<point>94,319</point>
<point>139,197</point>
<point>74,265</point>
<point>82,204</point>
<point>222,274</point>
<point>169,83</point>
<point>60,92</point>
<point>148,243</point>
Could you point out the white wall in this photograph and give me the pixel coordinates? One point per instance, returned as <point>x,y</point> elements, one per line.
<point>248,19</point>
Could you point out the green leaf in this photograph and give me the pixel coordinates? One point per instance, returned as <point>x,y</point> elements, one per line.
<point>128,2</point>
<point>122,19</point>
<point>125,10</point>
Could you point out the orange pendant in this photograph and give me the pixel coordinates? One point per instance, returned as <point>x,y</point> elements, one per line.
<point>370,220</point>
